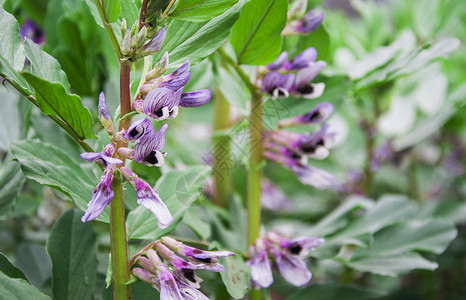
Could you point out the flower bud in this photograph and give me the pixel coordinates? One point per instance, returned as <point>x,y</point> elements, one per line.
<point>159,68</point>
<point>142,36</point>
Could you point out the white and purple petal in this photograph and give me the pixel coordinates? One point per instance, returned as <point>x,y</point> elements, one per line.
<point>101,196</point>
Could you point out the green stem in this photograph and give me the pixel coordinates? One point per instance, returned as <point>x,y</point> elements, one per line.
<point>244,77</point>
<point>118,243</point>
<point>108,28</point>
<point>222,152</point>
<point>167,10</point>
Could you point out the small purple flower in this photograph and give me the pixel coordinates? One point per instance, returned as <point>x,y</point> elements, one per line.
<point>104,156</point>
<point>139,129</point>
<point>155,43</point>
<point>30,30</point>
<point>310,22</point>
<point>195,99</point>
<point>103,115</point>
<point>261,266</point>
<point>315,177</point>
<point>101,196</point>
<point>273,198</point>
<point>188,292</point>
<point>144,275</point>
<point>168,287</point>
<point>147,151</point>
<point>279,62</point>
<point>319,114</point>
<point>197,256</point>
<point>303,59</point>
<point>162,103</point>
<point>278,85</point>
<point>303,86</point>
<point>148,198</point>
<point>297,247</point>
<point>291,268</point>
<point>173,81</point>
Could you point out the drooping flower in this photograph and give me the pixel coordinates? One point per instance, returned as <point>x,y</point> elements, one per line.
<point>261,266</point>
<point>197,256</point>
<point>148,198</point>
<point>303,86</point>
<point>278,85</point>
<point>147,150</point>
<point>162,103</point>
<point>319,114</point>
<point>168,287</point>
<point>296,247</point>
<point>195,99</point>
<point>101,196</point>
<point>303,59</point>
<point>139,129</point>
<point>104,157</point>
<point>292,269</point>
<point>307,24</point>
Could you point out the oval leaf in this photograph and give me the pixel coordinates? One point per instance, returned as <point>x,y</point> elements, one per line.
<point>200,10</point>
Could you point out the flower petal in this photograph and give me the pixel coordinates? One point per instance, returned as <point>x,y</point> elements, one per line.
<point>195,99</point>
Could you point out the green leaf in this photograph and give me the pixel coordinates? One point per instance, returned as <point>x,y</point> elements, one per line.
<point>194,221</point>
<point>54,100</point>
<point>111,9</point>
<point>11,182</point>
<point>333,291</point>
<point>51,166</point>
<point>392,265</point>
<point>236,276</point>
<point>129,11</point>
<point>11,48</point>
<point>197,40</point>
<point>7,268</point>
<point>72,247</point>
<point>256,37</point>
<point>44,65</point>
<point>10,120</point>
<point>19,289</point>
<point>200,10</point>
<point>178,190</point>
<point>33,260</point>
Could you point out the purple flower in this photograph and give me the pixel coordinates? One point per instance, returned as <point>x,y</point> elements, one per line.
<point>291,268</point>
<point>315,177</point>
<point>168,287</point>
<point>148,198</point>
<point>261,267</point>
<point>303,59</point>
<point>102,157</point>
<point>155,43</point>
<point>30,30</point>
<point>162,103</point>
<point>101,196</point>
<point>188,292</point>
<point>319,114</point>
<point>279,62</point>
<point>174,81</point>
<point>139,129</point>
<point>197,256</point>
<point>297,247</point>
<point>147,150</point>
<point>104,116</point>
<point>273,198</point>
<point>303,86</point>
<point>278,85</point>
<point>195,99</point>
<point>310,22</point>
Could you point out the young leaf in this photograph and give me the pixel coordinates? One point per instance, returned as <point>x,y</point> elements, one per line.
<point>72,249</point>
<point>18,289</point>
<point>197,40</point>
<point>256,37</point>
<point>111,10</point>
<point>51,166</point>
<point>54,100</point>
<point>200,10</point>
<point>44,65</point>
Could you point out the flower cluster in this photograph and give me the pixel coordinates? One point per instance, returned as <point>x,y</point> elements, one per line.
<point>289,256</point>
<point>179,280</point>
<point>280,81</point>
<point>292,149</point>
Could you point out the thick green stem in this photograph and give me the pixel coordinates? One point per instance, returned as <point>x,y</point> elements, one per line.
<point>221,157</point>
<point>119,246</point>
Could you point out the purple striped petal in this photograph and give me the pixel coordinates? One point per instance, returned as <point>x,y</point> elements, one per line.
<point>160,102</point>
<point>279,62</point>
<point>101,196</point>
<point>303,60</point>
<point>155,43</point>
<point>195,99</point>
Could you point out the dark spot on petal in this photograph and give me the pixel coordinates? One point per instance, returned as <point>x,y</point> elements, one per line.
<point>189,274</point>
<point>134,132</point>
<point>158,112</point>
<point>197,251</point>
<point>314,116</point>
<point>307,89</point>
<point>205,260</point>
<point>295,249</point>
<point>295,155</point>
<point>151,158</point>
<point>308,149</point>
<point>320,142</point>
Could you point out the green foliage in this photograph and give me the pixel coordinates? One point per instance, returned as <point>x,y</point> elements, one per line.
<point>7,268</point>
<point>72,250</point>
<point>256,37</point>
<point>236,276</point>
<point>51,166</point>
<point>111,9</point>
<point>11,182</point>
<point>200,10</point>
<point>18,289</point>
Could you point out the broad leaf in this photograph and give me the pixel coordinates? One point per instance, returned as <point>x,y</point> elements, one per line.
<point>197,40</point>
<point>11,182</point>
<point>19,289</point>
<point>193,219</point>
<point>111,9</point>
<point>178,190</point>
<point>11,48</point>
<point>129,11</point>
<point>44,65</point>
<point>200,10</point>
<point>256,37</point>
<point>51,166</point>
<point>236,276</point>
<point>54,100</point>
<point>7,268</point>
<point>10,120</point>
<point>72,249</point>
